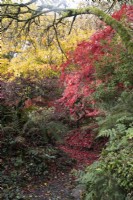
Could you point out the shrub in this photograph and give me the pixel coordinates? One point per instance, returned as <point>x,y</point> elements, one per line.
<point>27,147</point>
<point>112,176</point>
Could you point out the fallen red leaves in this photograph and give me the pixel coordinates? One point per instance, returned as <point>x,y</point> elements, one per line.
<point>82,147</point>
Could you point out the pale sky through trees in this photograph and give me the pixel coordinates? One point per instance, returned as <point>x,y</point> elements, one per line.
<point>69,3</point>
<point>74,3</point>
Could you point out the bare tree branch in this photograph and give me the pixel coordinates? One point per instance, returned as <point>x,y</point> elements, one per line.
<point>56,35</point>
<point>23,12</point>
<point>74,18</point>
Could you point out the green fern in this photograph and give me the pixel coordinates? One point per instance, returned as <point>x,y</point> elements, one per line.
<point>100,184</point>
<point>42,121</point>
<point>108,133</point>
<point>111,177</point>
<point>120,113</point>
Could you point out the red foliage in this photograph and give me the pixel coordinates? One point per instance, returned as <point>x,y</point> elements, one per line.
<point>129,13</point>
<point>80,140</point>
<point>81,146</point>
<point>81,83</point>
<point>82,157</point>
<point>126,10</point>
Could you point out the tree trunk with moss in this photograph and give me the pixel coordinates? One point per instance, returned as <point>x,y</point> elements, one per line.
<point>125,35</point>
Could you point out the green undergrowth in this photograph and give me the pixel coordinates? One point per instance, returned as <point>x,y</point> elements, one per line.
<point>27,148</point>
<point>111,177</point>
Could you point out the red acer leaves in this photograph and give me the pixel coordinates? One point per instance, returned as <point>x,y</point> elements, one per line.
<point>80,145</point>
<point>79,73</point>
<point>80,140</point>
<point>95,72</point>
<point>129,13</point>
<point>84,157</point>
<point>126,11</point>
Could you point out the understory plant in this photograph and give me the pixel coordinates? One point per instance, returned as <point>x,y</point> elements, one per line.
<point>111,177</point>
<point>28,135</point>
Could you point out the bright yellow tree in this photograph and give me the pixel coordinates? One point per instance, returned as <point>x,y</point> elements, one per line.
<point>41,52</point>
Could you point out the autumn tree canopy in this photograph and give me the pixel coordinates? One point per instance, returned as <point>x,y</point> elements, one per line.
<point>31,11</point>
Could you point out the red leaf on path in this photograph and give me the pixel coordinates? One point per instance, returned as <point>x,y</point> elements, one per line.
<point>81,147</point>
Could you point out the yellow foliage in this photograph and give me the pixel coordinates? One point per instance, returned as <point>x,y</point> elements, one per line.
<point>41,53</point>
<point>4,64</point>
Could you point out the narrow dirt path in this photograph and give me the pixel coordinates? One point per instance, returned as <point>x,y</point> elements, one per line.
<point>58,187</point>
<point>60,183</point>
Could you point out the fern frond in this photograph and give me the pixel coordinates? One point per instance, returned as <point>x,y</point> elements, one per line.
<point>108,133</point>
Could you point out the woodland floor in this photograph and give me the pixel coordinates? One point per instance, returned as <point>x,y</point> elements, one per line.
<point>57,187</point>
<point>61,183</point>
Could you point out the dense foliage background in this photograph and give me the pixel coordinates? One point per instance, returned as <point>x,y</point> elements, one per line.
<point>69,97</point>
